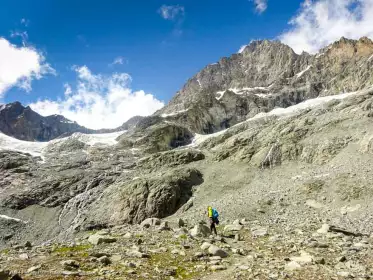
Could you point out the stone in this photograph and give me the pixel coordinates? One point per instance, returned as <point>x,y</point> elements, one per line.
<point>116,258</point>
<point>178,252</point>
<point>104,260</point>
<point>164,226</point>
<point>137,254</point>
<point>34,268</point>
<point>236,222</point>
<point>231,230</point>
<point>293,265</point>
<point>319,260</point>
<point>324,229</point>
<point>314,204</point>
<point>205,246</point>
<point>217,267</point>
<point>259,231</point>
<point>216,251</point>
<point>200,230</point>
<point>304,258</point>
<point>70,264</point>
<point>23,256</point>
<point>28,244</point>
<point>128,235</point>
<point>97,239</point>
<point>151,222</point>
<point>180,223</point>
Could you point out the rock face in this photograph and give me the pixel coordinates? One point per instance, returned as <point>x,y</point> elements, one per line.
<point>266,75</point>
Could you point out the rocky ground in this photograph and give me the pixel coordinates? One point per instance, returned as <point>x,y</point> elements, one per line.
<point>159,250</point>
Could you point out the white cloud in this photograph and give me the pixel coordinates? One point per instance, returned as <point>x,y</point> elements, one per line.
<point>118,61</point>
<point>25,22</point>
<point>22,34</point>
<point>171,12</point>
<point>100,101</point>
<point>260,5</point>
<point>322,22</point>
<point>20,65</point>
<point>68,89</point>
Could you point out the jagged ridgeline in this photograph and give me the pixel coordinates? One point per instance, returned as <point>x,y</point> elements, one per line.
<point>280,142</point>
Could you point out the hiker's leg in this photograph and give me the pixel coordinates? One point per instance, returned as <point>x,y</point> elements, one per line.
<point>215,229</point>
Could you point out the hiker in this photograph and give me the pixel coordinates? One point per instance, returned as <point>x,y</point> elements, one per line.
<point>213,218</point>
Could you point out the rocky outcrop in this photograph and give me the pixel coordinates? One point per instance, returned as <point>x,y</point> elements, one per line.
<point>156,136</point>
<point>151,196</point>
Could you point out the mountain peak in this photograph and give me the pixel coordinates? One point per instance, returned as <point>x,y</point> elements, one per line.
<point>259,45</point>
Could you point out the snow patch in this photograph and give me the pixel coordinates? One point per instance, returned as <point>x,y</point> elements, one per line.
<point>199,82</point>
<point>300,74</point>
<point>5,217</point>
<point>92,139</point>
<point>13,144</point>
<point>370,58</point>
<point>174,113</point>
<point>241,91</point>
<point>242,48</point>
<point>36,148</point>
<point>67,121</point>
<point>263,95</point>
<point>310,103</point>
<point>279,112</point>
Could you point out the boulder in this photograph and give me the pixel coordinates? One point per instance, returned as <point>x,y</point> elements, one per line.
<point>97,239</point>
<point>180,222</point>
<point>70,264</point>
<point>293,265</point>
<point>259,231</point>
<point>150,222</point>
<point>324,229</point>
<point>154,196</point>
<point>216,251</point>
<point>205,246</point>
<point>231,230</point>
<point>104,260</point>
<point>200,230</point>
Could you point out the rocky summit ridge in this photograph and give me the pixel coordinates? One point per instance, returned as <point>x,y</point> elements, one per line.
<point>292,183</point>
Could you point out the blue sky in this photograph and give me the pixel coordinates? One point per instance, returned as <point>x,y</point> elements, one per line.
<point>159,51</point>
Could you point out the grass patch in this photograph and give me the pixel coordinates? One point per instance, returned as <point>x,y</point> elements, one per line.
<point>5,251</point>
<point>81,249</point>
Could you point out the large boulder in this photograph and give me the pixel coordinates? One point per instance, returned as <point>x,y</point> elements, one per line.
<point>200,230</point>
<point>97,239</point>
<point>153,196</point>
<point>216,251</point>
<point>151,222</point>
<point>230,230</point>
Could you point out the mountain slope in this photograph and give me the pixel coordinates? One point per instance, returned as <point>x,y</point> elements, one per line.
<point>268,74</point>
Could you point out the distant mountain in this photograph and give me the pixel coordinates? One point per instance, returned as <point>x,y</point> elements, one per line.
<point>25,124</point>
